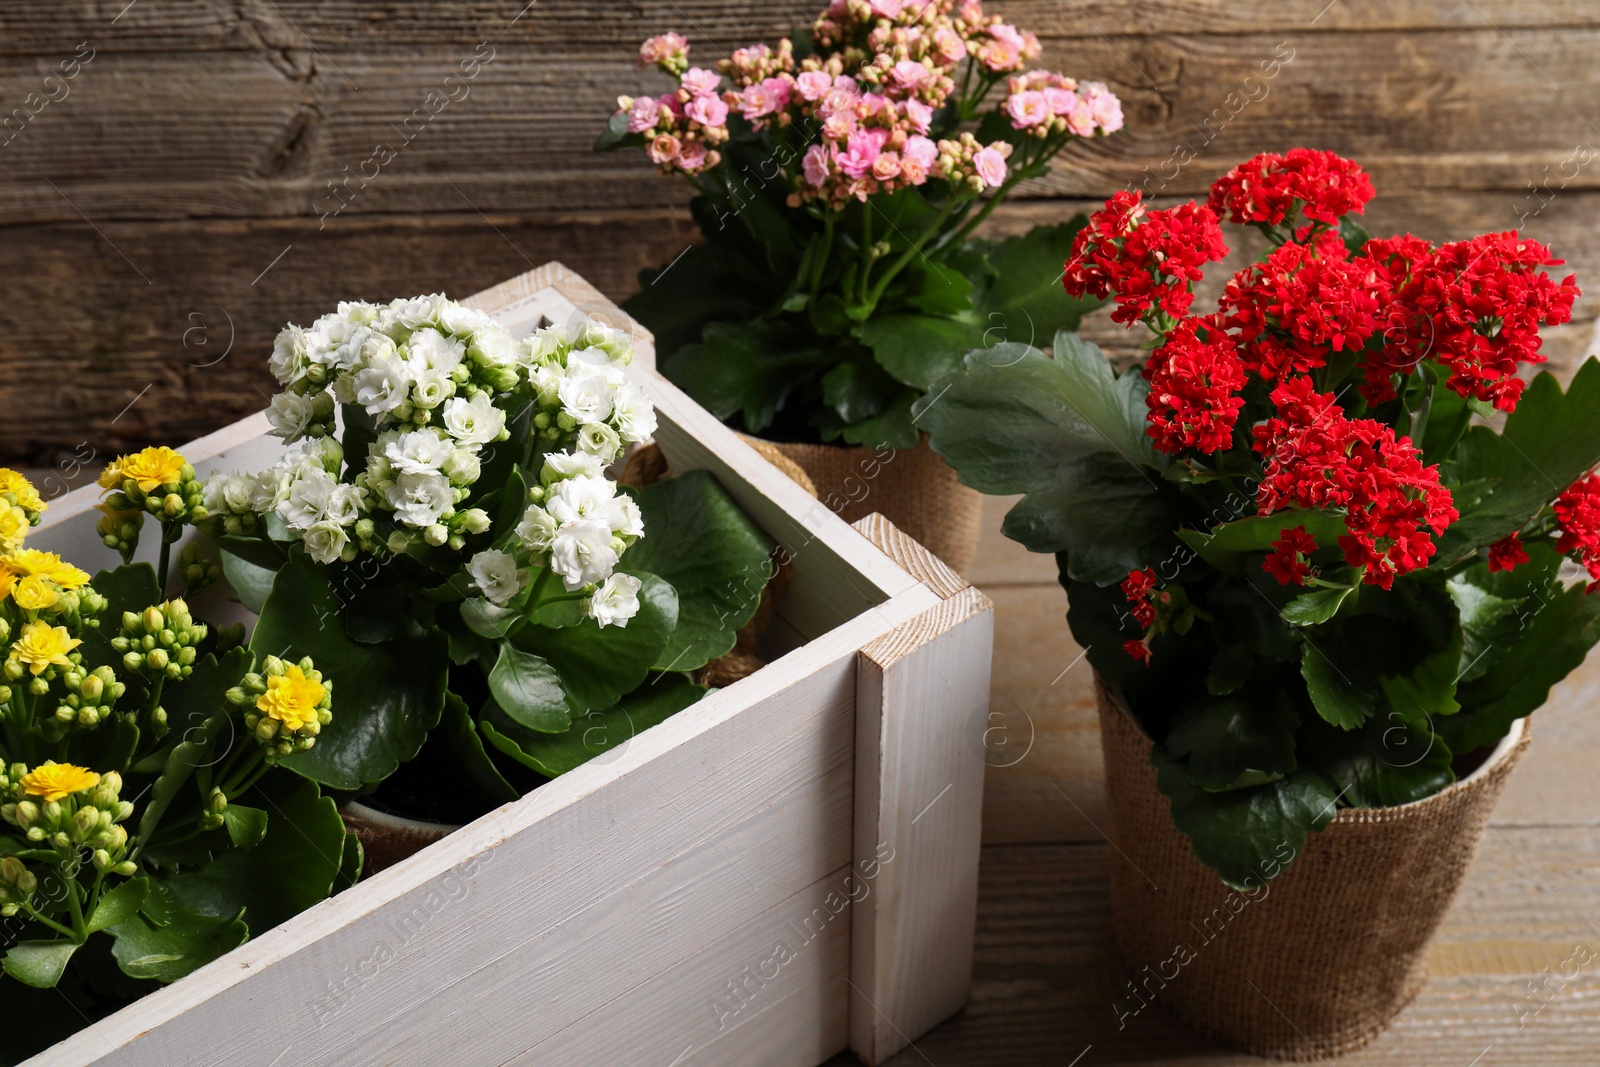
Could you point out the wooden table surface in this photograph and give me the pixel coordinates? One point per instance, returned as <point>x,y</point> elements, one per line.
<point>1047,970</point>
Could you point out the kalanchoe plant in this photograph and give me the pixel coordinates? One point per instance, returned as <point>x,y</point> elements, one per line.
<point>840,177</point>
<point>145,824</point>
<point>444,536</point>
<point>1316,539</point>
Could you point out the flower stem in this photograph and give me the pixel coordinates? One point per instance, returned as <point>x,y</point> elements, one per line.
<point>34,914</point>
<point>905,257</point>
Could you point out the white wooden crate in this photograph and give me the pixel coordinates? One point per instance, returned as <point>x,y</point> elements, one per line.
<point>785,870</point>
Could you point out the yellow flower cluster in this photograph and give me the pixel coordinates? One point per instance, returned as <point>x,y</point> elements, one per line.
<point>40,647</point>
<point>287,705</point>
<point>20,508</point>
<point>38,581</point>
<point>149,470</point>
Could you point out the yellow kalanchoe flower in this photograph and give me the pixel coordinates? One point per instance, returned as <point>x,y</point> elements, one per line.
<point>36,593</point>
<point>55,781</point>
<point>292,698</point>
<point>23,494</point>
<point>8,580</point>
<point>42,645</point>
<point>14,527</point>
<point>46,565</point>
<point>151,469</point>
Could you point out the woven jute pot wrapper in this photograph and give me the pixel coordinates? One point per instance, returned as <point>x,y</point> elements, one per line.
<point>911,487</point>
<point>1320,957</point>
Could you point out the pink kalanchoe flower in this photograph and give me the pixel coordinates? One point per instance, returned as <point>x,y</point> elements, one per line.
<point>886,167</point>
<point>874,104</point>
<point>813,85</point>
<point>701,82</point>
<point>707,111</point>
<point>765,98</point>
<point>667,50</point>
<point>921,150</point>
<point>1105,106</point>
<point>816,166</point>
<point>692,156</point>
<point>839,126</point>
<point>1062,101</point>
<point>910,76</point>
<point>861,152</point>
<point>644,114</point>
<point>991,167</point>
<point>664,149</point>
<point>918,114</point>
<point>1080,120</point>
<point>1028,109</point>
<point>889,9</point>
<point>949,45</point>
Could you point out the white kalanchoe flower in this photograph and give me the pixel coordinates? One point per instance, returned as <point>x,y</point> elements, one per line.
<point>583,553</point>
<point>474,422</point>
<point>289,360</point>
<point>325,541</point>
<point>462,468</point>
<point>586,396</point>
<point>418,452</point>
<point>559,465</point>
<point>599,441</point>
<point>346,505</point>
<point>290,414</point>
<point>537,530</point>
<point>420,500</point>
<point>495,575</point>
<point>633,415</point>
<point>580,499</point>
<point>615,601</point>
<point>381,386</point>
<point>307,502</point>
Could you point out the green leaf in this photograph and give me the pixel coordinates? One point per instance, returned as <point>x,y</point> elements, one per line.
<point>386,697</point>
<point>616,133</point>
<point>292,867</point>
<point>598,666</point>
<point>936,289</point>
<point>1392,760</point>
<point>250,581</point>
<point>261,551</point>
<point>597,732</point>
<point>1549,441</point>
<point>1246,835</point>
<point>39,963</point>
<point>488,620</point>
<point>1337,696</point>
<point>528,689</point>
<point>1226,542</point>
<point>200,717</point>
<point>1317,606</point>
<point>719,561</point>
<point>246,826</point>
<point>1025,302</point>
<point>1234,741</point>
<point>351,860</point>
<point>893,427</point>
<point>1065,431</point>
<point>857,389</point>
<point>1230,669</point>
<point>461,734</point>
<point>184,945</point>
<point>742,368</point>
<point>707,283</point>
<point>919,349</point>
<point>118,904</point>
<point>1430,689</point>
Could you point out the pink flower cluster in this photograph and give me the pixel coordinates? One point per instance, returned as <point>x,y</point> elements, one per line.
<point>1044,103</point>
<point>866,99</point>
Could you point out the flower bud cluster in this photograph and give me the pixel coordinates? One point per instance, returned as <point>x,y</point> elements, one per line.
<point>160,640</point>
<point>90,698</point>
<point>158,481</point>
<point>69,808</point>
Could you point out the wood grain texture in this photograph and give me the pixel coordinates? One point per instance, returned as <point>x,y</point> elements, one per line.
<point>921,694</point>
<point>142,208</point>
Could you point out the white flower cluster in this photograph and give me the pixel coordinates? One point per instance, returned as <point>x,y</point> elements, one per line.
<point>578,526</point>
<point>303,489</point>
<point>575,373</point>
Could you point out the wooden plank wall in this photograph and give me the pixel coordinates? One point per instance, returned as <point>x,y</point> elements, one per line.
<point>167,206</point>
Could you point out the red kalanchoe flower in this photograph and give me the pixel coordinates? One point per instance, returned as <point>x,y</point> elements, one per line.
<point>1300,304</point>
<point>1138,650</point>
<point>1143,258</point>
<point>1193,387</point>
<point>1287,560</point>
<point>1507,553</point>
<point>1395,263</point>
<point>1578,514</point>
<point>1317,458</point>
<point>1271,189</point>
<point>1488,299</point>
<point>1137,587</point>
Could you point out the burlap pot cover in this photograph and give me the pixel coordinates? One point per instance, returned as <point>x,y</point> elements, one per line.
<point>1322,955</point>
<point>911,487</point>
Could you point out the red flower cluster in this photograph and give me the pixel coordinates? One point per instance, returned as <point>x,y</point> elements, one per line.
<point>1578,514</point>
<point>1484,301</point>
<point>1395,263</point>
<point>1507,553</point>
<point>1299,304</point>
<point>1193,383</point>
<point>1287,560</point>
<point>1143,258</point>
<point>1270,188</point>
<point>1317,458</point>
<point>1140,587</point>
